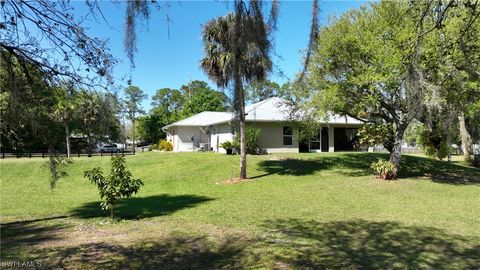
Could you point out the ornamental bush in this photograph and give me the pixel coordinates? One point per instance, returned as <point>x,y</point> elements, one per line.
<point>165,145</point>
<point>252,135</point>
<point>384,169</point>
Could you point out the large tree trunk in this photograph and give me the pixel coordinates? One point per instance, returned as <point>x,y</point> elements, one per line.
<point>396,154</point>
<point>466,139</point>
<point>67,138</point>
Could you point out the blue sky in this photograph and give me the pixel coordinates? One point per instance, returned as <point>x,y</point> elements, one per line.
<point>169,53</point>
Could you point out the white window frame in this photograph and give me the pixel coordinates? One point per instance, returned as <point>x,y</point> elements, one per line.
<point>287,136</point>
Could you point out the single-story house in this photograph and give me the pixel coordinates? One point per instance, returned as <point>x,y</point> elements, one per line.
<point>207,130</point>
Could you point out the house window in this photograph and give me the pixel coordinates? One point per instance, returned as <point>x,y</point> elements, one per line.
<point>287,136</point>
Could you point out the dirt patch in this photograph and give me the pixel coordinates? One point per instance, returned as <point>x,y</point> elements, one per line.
<point>235,180</point>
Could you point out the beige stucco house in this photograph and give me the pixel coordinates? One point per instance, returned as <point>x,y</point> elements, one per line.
<point>207,130</point>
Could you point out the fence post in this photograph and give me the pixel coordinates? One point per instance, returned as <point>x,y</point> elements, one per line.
<point>78,152</point>
<point>3,154</point>
<point>101,152</point>
<point>142,148</point>
<point>43,154</point>
<point>123,154</point>
<point>30,154</point>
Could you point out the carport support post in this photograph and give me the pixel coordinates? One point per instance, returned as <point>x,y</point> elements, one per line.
<point>331,139</point>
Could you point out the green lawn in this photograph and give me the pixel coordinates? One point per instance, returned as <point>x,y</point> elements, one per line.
<point>296,211</point>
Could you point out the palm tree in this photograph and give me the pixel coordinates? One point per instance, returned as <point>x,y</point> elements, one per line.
<point>62,111</point>
<point>237,50</point>
<point>89,109</point>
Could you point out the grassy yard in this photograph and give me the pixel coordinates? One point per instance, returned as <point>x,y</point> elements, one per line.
<point>296,211</point>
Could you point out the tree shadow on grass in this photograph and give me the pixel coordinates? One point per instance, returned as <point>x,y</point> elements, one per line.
<point>358,164</point>
<point>142,207</point>
<point>194,252</point>
<point>24,234</point>
<point>439,171</point>
<point>364,244</point>
<point>284,243</point>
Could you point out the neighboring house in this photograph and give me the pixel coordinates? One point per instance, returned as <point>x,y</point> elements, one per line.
<point>207,130</point>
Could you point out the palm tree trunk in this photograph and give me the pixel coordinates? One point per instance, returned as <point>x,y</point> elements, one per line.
<point>67,139</point>
<point>466,139</point>
<point>241,116</point>
<point>243,148</point>
<point>240,107</point>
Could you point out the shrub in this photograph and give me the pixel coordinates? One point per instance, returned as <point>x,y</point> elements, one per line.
<point>165,145</point>
<point>252,134</point>
<point>153,147</point>
<point>228,146</point>
<point>384,169</point>
<point>119,184</point>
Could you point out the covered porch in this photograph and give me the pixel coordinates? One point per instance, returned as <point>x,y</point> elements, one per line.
<point>188,139</point>
<point>331,139</point>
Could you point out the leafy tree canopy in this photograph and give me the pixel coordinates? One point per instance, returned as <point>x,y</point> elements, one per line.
<point>261,90</point>
<point>200,97</point>
<point>378,64</point>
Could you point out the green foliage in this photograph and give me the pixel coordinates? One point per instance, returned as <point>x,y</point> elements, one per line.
<point>27,108</point>
<point>133,99</point>
<point>227,145</point>
<point>167,104</point>
<point>260,90</point>
<point>359,64</point>
<point>97,116</point>
<point>372,134</point>
<point>119,184</point>
<point>153,147</point>
<point>57,166</point>
<point>170,105</point>
<point>149,127</point>
<point>433,143</point>
<point>199,97</point>
<point>411,133</point>
<point>165,145</point>
<point>249,37</point>
<point>385,169</point>
<point>252,134</point>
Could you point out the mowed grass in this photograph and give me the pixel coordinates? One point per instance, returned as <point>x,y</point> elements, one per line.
<point>296,211</point>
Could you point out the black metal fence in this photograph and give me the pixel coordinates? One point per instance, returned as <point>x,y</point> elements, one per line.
<point>83,153</point>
